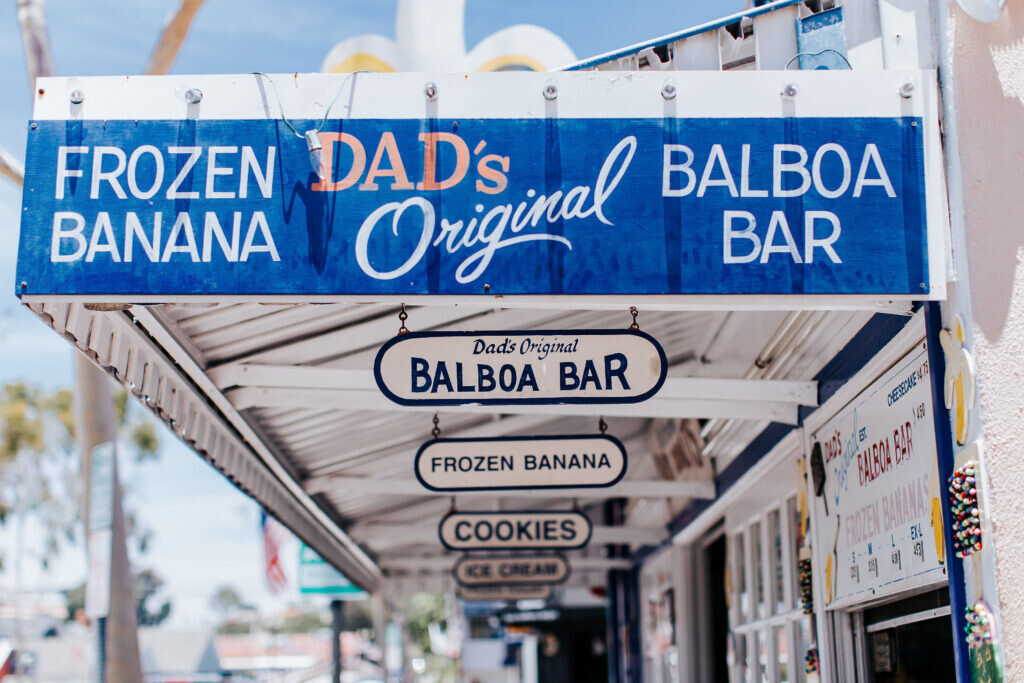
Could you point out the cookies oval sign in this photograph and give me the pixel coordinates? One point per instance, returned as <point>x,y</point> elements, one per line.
<point>518,530</point>
<point>511,569</point>
<point>505,592</point>
<point>521,462</point>
<point>515,367</point>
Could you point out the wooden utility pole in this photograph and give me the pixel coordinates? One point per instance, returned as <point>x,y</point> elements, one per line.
<point>95,424</point>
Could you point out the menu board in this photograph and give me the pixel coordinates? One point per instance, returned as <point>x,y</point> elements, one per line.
<point>878,524</point>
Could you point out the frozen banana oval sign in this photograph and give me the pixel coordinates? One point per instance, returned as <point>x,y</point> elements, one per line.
<point>521,462</point>
<point>515,367</point>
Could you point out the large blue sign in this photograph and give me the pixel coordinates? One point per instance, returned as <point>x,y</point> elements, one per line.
<point>475,206</point>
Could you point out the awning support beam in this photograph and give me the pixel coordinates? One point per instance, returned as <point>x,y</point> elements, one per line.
<point>412,488</point>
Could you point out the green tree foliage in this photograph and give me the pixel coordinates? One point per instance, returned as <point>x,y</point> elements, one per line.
<point>40,469</point>
<point>147,584</point>
<point>420,610</point>
<point>227,602</point>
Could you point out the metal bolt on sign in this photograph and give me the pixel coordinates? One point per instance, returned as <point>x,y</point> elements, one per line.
<point>77,97</point>
<point>193,95</point>
<point>430,90</point>
<point>668,91</point>
<point>550,91</point>
<point>907,90</point>
<point>789,91</point>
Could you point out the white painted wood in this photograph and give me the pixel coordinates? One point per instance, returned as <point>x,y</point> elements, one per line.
<point>906,34</point>
<point>712,389</point>
<point>383,536</point>
<point>405,442</point>
<point>699,52</point>
<point>789,447</point>
<point>863,35</point>
<point>897,305</point>
<point>740,94</point>
<point>411,487</point>
<point>352,399</point>
<point>775,36</point>
<point>445,563</point>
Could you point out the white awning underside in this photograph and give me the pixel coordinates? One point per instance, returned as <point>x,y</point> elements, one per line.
<point>280,398</point>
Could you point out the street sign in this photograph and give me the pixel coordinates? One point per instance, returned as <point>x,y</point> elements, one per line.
<point>521,462</point>
<point>515,367</point>
<point>505,592</point>
<point>316,575</point>
<point>511,569</point>
<point>489,190</point>
<point>519,530</point>
<point>100,536</point>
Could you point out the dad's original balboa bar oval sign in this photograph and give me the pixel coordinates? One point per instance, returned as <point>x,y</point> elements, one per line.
<point>512,591</point>
<point>520,530</point>
<point>511,569</point>
<point>521,462</point>
<point>515,367</point>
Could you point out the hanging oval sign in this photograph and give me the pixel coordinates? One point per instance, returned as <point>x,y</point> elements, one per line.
<point>519,530</point>
<point>511,569</point>
<point>522,591</point>
<point>506,368</point>
<point>521,462</point>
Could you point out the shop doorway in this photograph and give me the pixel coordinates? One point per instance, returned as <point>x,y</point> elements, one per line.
<point>716,590</point>
<point>910,640</point>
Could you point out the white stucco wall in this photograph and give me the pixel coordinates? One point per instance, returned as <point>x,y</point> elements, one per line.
<point>988,76</point>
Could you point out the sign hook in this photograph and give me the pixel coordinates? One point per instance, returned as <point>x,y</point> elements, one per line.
<point>436,431</point>
<point>633,312</point>
<point>602,425</point>
<point>402,317</point>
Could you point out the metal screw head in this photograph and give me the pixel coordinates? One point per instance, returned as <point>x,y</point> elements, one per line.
<point>789,91</point>
<point>193,95</point>
<point>77,97</point>
<point>907,90</point>
<point>550,91</point>
<point>430,90</point>
<point>668,91</point>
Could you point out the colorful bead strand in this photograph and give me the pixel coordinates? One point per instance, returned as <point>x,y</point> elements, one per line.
<point>964,511</point>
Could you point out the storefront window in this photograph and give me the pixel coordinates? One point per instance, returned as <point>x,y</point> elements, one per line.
<point>769,622</point>
<point>782,657</point>
<point>803,640</point>
<point>763,675</point>
<point>796,539</point>
<point>743,663</point>
<point>740,576</point>
<point>757,567</point>
<point>778,570</point>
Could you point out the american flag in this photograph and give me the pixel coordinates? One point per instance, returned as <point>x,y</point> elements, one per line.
<point>273,535</point>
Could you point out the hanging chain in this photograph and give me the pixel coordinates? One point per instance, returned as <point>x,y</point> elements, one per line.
<point>402,317</point>
<point>602,425</point>
<point>576,505</point>
<point>436,431</point>
<point>451,507</point>
<point>633,312</point>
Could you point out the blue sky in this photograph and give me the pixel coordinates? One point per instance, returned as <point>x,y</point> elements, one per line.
<point>205,531</point>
